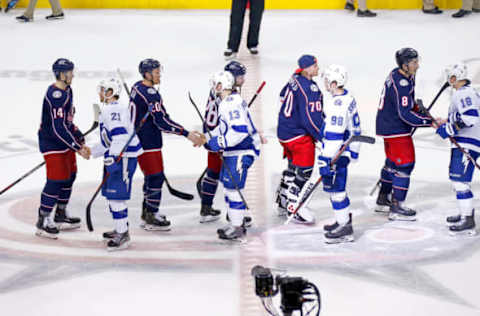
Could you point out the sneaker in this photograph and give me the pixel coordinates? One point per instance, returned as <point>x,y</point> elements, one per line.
<point>461,13</point>
<point>435,10</point>
<point>349,6</point>
<point>55,16</point>
<point>253,50</point>
<point>119,241</point>
<point>23,18</point>
<point>209,214</point>
<point>400,213</point>
<point>383,203</point>
<point>65,222</point>
<point>466,226</point>
<point>341,234</point>
<point>45,226</point>
<point>232,233</point>
<point>152,223</point>
<point>366,14</point>
<point>331,227</point>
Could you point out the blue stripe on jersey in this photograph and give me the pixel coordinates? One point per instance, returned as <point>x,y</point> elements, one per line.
<point>333,136</point>
<point>240,128</point>
<point>134,148</point>
<point>464,195</point>
<point>353,154</point>
<point>467,140</point>
<point>118,131</point>
<point>471,112</point>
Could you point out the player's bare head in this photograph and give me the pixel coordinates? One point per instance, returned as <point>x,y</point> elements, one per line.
<point>238,71</point>
<point>456,73</point>
<point>221,82</point>
<point>151,70</point>
<point>335,77</point>
<point>109,90</point>
<point>408,60</point>
<point>308,66</point>
<point>63,70</point>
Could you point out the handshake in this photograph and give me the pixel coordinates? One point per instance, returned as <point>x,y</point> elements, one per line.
<point>198,139</point>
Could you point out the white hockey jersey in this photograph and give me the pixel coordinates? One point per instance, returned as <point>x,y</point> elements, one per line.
<point>116,128</point>
<point>464,111</point>
<point>236,132</point>
<point>341,122</point>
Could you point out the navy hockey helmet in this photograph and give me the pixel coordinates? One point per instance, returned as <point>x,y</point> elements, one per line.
<point>147,65</point>
<point>405,55</point>
<point>235,68</point>
<point>61,65</point>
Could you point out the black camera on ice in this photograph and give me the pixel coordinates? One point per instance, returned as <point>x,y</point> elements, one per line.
<point>296,293</point>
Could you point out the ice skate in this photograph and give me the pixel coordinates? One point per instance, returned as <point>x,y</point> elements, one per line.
<point>341,234</point>
<point>65,222</point>
<point>209,214</point>
<point>383,203</point>
<point>331,227</point>
<point>400,213</point>
<point>119,241</point>
<point>453,220</point>
<point>152,223</point>
<point>466,226</point>
<point>45,226</point>
<point>232,233</point>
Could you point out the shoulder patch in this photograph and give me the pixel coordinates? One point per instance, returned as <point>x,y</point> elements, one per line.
<point>293,84</point>
<point>229,98</point>
<point>404,82</point>
<point>151,91</point>
<point>338,102</point>
<point>57,94</point>
<point>314,87</point>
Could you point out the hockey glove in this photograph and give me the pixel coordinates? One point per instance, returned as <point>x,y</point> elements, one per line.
<point>324,166</point>
<point>446,130</point>
<point>247,161</point>
<point>217,143</point>
<point>111,165</point>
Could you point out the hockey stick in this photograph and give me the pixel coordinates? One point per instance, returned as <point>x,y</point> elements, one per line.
<point>107,174</point>
<point>11,5</point>
<point>199,181</point>
<point>445,86</point>
<point>226,166</point>
<point>174,192</point>
<point>469,157</point>
<point>358,138</point>
<point>96,114</point>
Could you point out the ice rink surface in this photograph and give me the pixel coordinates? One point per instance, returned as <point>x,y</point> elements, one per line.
<point>391,269</point>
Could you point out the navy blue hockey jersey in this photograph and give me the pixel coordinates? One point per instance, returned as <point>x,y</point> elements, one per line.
<point>396,115</point>
<point>301,110</point>
<point>57,131</point>
<point>150,134</point>
<point>211,111</point>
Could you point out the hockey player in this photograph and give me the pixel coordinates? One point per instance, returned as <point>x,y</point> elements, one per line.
<point>341,122</point>
<point>397,115</point>
<point>59,139</point>
<point>464,125</point>
<point>143,95</point>
<point>116,128</point>
<point>237,137</point>
<point>210,180</point>
<point>300,123</point>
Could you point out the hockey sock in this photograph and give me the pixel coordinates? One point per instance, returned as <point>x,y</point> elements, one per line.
<point>236,207</point>
<point>153,191</point>
<point>386,179</point>
<point>120,215</point>
<point>464,198</point>
<point>65,194</point>
<point>50,194</point>
<point>209,186</point>
<point>401,181</point>
<point>340,203</point>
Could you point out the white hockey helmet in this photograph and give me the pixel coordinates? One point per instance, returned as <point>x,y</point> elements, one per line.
<point>336,73</point>
<point>459,70</point>
<point>110,84</point>
<point>225,78</point>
